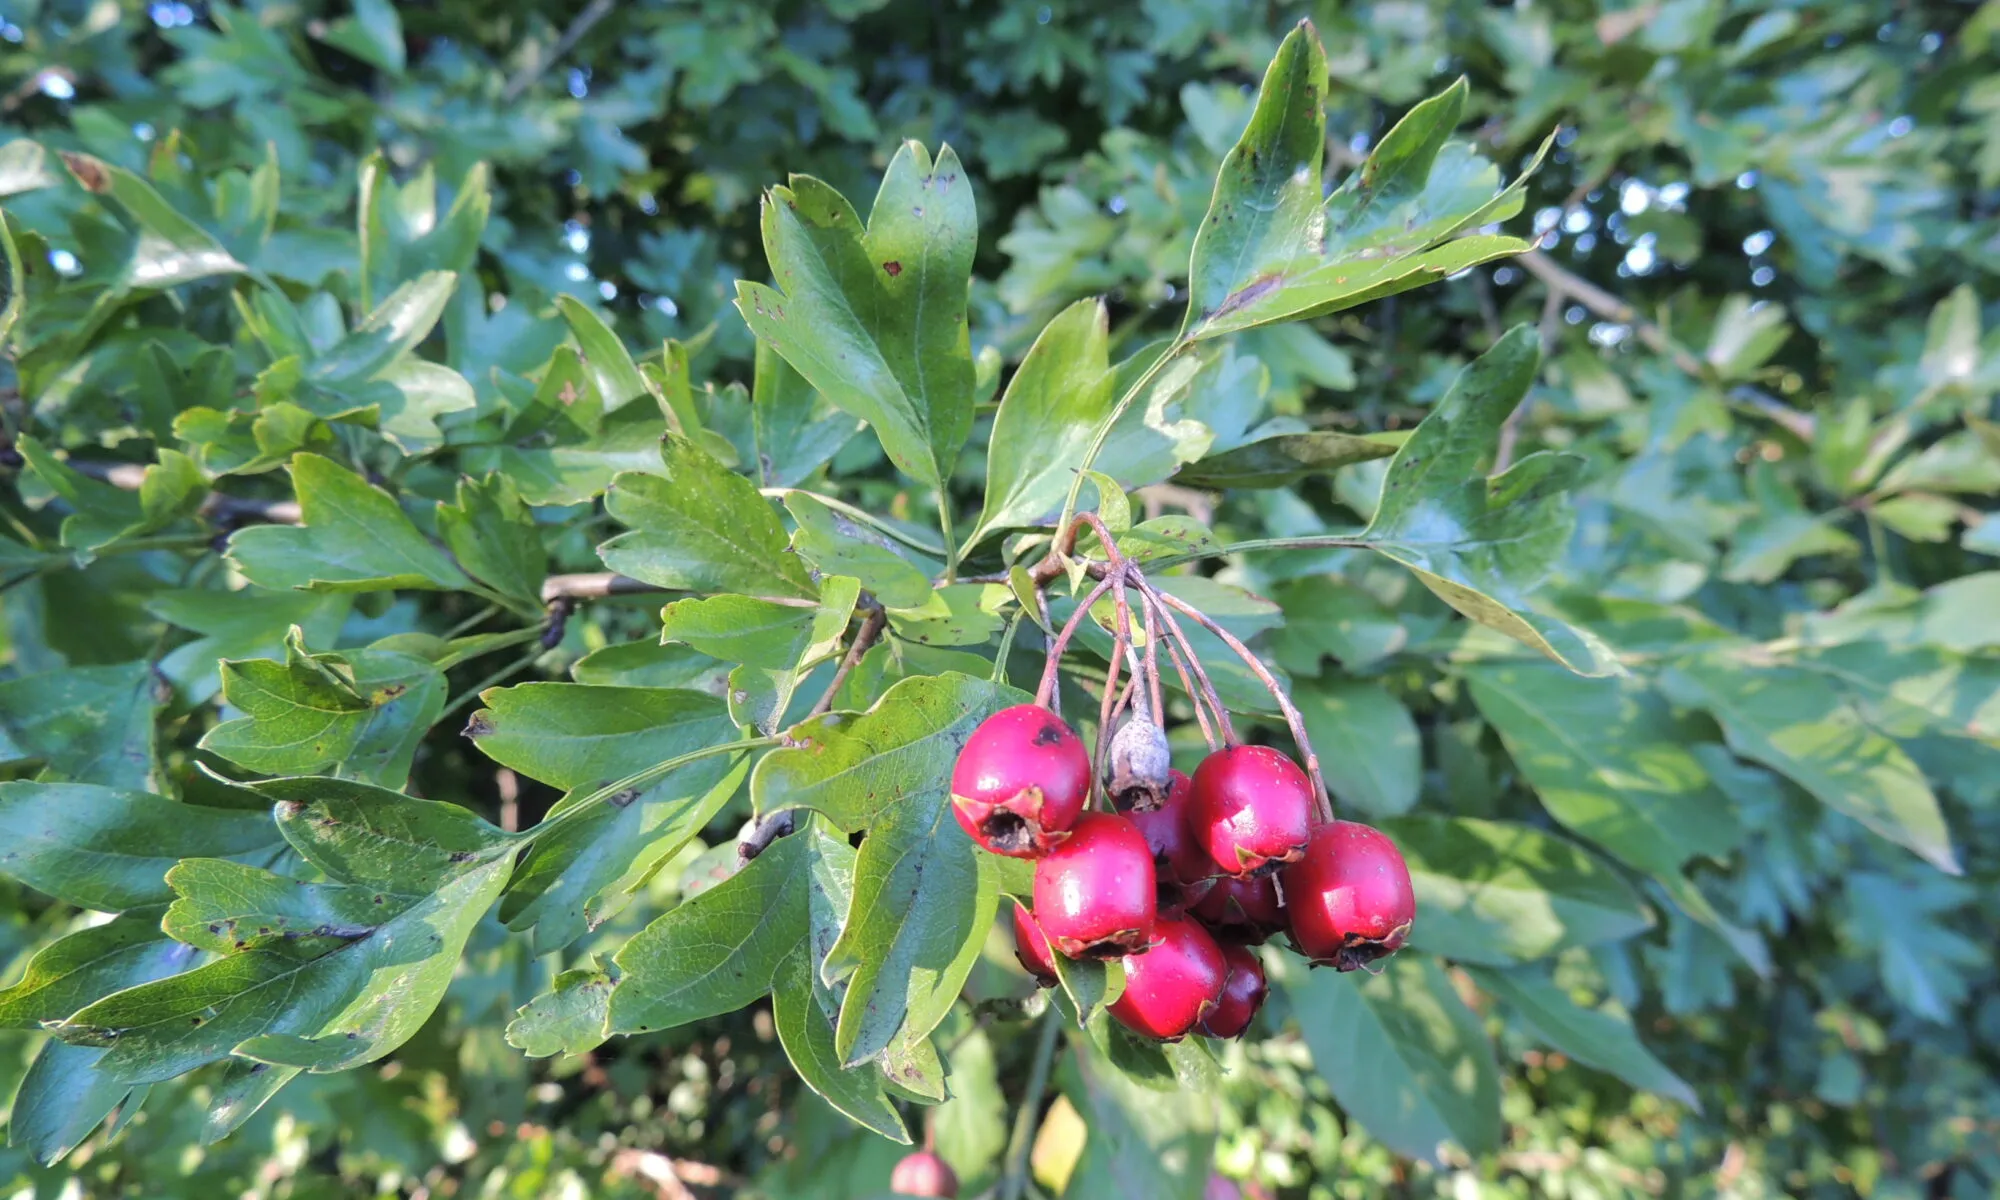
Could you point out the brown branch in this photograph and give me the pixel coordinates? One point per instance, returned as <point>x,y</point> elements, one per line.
<point>1611,308</point>
<point>220,507</point>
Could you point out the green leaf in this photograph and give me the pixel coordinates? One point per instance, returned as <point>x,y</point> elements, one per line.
<point>807,1036</point>
<point>875,318</point>
<point>91,962</point>
<point>353,538</point>
<point>574,735</point>
<point>247,623</point>
<point>10,309</point>
<point>1499,893</point>
<point>244,1088</point>
<point>340,1009</point>
<point>1634,787</point>
<point>762,696</point>
<point>386,334</point>
<point>492,534</point>
<point>566,1019</point>
<point>1058,396</point>
<point>362,834</point>
<point>924,897</point>
<point>835,545</point>
<point>898,755</point>
<point>1592,1036</point>
<point>87,724</point>
<point>223,907</point>
<point>357,715</point>
<point>1401,1053</point>
<point>650,664</point>
<point>401,235</point>
<point>611,368</point>
<point>104,514</point>
<point>574,472</point>
<point>374,34</point>
<point>102,848</point>
<point>1481,544</point>
<point>63,1098</point>
<point>795,429</point>
<point>1271,249</point>
<point>582,738</point>
<point>1367,744</point>
<point>700,527</point>
<point>171,248</point>
<point>1789,720</point>
<point>739,629</point>
<point>958,614</point>
<point>1282,459</point>
<point>1910,691</point>
<point>721,949</point>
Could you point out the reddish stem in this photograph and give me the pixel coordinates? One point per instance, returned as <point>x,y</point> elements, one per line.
<point>1324,802</point>
<point>1046,691</point>
<point>1207,691</point>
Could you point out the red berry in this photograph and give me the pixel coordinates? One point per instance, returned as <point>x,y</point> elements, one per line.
<point>1172,987</point>
<point>1242,994</point>
<point>1349,899</point>
<point>924,1174</point>
<point>1244,910</point>
<point>1020,781</point>
<point>1251,808</point>
<point>1181,865</point>
<point>1032,947</point>
<point>1094,891</point>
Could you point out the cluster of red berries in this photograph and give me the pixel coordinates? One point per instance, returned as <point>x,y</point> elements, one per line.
<point>1185,878</point>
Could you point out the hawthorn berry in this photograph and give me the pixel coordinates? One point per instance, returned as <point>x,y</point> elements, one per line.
<point>1349,900</point>
<point>1094,891</point>
<point>1020,781</point>
<point>924,1174</point>
<point>1243,910</point>
<point>1175,985</point>
<point>1251,808</point>
<point>1180,865</point>
<point>1140,774</point>
<point>1243,993</point>
<point>1032,947</point>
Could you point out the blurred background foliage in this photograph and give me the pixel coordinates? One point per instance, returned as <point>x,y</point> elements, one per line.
<point>1770,240</point>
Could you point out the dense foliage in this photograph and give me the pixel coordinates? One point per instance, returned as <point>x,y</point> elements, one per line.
<point>372,377</point>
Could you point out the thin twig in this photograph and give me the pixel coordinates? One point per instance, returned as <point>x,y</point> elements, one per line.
<point>871,628</point>
<point>1046,691</point>
<point>1292,719</point>
<point>525,77</point>
<point>1611,308</point>
<point>1013,1183</point>
<point>1194,697</point>
<point>1207,688</point>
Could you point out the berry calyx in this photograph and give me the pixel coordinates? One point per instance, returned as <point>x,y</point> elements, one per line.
<point>924,1174</point>
<point>1020,782</point>
<point>1032,947</point>
<point>1094,891</point>
<point>1172,987</point>
<point>1242,910</point>
<point>1180,864</point>
<point>1349,900</point>
<point>1251,808</point>
<point>1243,994</point>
